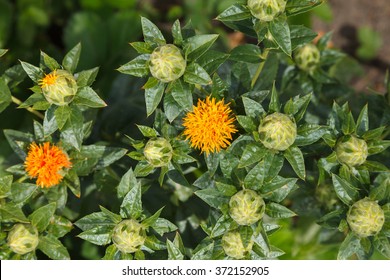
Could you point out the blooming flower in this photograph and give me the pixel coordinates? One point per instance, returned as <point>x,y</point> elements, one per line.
<point>45,162</point>
<point>209,127</point>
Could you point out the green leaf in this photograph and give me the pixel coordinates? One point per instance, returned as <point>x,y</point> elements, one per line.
<point>274,105</point>
<point>98,235</point>
<point>138,67</point>
<point>204,253</point>
<point>246,53</point>
<point>87,77</point>
<point>176,33</point>
<point>49,122</point>
<point>131,206</point>
<point>376,147</point>
<point>112,253</point>
<point>254,152</point>
<point>150,221</point>
<point>344,190</point>
<point>5,95</point>
<point>235,12</point>
<point>3,52</point>
<point>162,226</point>
<point>171,108</point>
<point>32,100</point>
<point>61,115</point>
<point>197,45</point>
<point>247,123</point>
<point>153,97</point>
<point>111,215</point>
<point>71,59</point>
<point>278,211</point>
<point>95,220</point>
<point>350,246</point>
<point>211,60</point>
<point>12,213</point>
<point>21,191</point>
<point>295,157</point>
<point>348,125</point>
<point>40,218</point>
<point>147,131</point>
<point>173,251</point>
<point>381,192</point>
<point>212,197</point>
<point>301,35</point>
<point>295,7</point>
<point>142,47</point>
<point>252,108</point>
<point>143,169</point>
<point>362,124</point>
<point>280,32</point>
<point>49,62</point>
<point>255,177</point>
<point>308,134</point>
<point>297,106</point>
<point>72,132</point>
<point>374,134</point>
<point>5,185</point>
<point>151,32</point>
<point>182,94</point>
<point>278,189</point>
<point>382,244</point>
<point>19,141</point>
<point>35,73</point>
<point>53,248</point>
<point>332,220</point>
<point>59,226</point>
<point>374,166</point>
<point>72,181</point>
<point>195,74</point>
<point>225,189</point>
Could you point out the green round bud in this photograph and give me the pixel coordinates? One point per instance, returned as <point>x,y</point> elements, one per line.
<point>233,246</point>
<point>307,57</point>
<point>167,63</point>
<point>266,10</point>
<point>59,87</point>
<point>158,152</point>
<point>128,236</point>
<point>277,132</point>
<point>23,238</point>
<point>351,151</point>
<point>365,217</point>
<point>246,207</point>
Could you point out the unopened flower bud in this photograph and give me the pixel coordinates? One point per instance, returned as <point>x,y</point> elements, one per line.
<point>351,151</point>
<point>59,87</point>
<point>158,152</point>
<point>167,63</point>
<point>266,10</point>
<point>233,246</point>
<point>365,217</point>
<point>277,132</point>
<point>128,236</point>
<point>307,57</point>
<point>246,207</point>
<point>23,238</point>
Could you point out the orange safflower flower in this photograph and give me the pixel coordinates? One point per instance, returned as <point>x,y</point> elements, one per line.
<point>209,127</point>
<point>48,80</point>
<point>45,162</point>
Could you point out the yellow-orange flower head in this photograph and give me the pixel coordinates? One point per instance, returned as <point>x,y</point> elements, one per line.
<point>45,162</point>
<point>209,127</point>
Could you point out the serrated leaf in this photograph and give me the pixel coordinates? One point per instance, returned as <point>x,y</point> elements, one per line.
<point>171,108</point>
<point>35,73</point>
<point>151,32</point>
<point>87,77</point>
<point>137,67</point>
<point>131,206</point>
<point>71,59</point>
<point>195,46</point>
<point>153,97</point>
<point>280,32</point>
<point>278,211</point>
<point>195,74</point>
<point>381,192</point>
<point>53,248</point>
<point>40,218</point>
<point>295,157</point>
<point>344,190</point>
<point>253,153</point>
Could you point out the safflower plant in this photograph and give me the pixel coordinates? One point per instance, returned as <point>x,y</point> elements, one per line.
<point>232,142</point>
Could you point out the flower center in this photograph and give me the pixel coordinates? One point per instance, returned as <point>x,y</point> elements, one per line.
<point>49,79</point>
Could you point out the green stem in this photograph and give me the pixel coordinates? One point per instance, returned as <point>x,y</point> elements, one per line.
<point>31,110</point>
<point>260,68</point>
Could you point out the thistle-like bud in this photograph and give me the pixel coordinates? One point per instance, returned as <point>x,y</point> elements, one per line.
<point>128,236</point>
<point>307,57</point>
<point>246,207</point>
<point>277,131</point>
<point>59,87</point>
<point>233,246</point>
<point>167,63</point>
<point>158,152</point>
<point>365,217</point>
<point>266,10</point>
<point>351,151</point>
<point>23,238</point>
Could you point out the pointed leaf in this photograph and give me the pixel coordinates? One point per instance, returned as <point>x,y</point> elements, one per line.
<point>253,153</point>
<point>349,247</point>
<point>195,74</point>
<point>162,226</point>
<point>280,32</point>
<point>87,77</point>
<point>132,205</point>
<point>295,157</point>
<point>153,97</point>
<point>182,94</point>
<point>362,124</point>
<point>278,211</point>
<point>173,251</point>
<point>142,47</point>
<point>40,218</point>
<point>49,62</point>
<point>137,67</point>
<point>195,46</point>
<point>151,32</point>
<point>176,33</point>
<point>212,197</point>
<point>274,105</point>
<point>235,12</point>
<point>53,248</point>
<point>71,59</point>
<point>61,114</point>
<point>35,73</point>
<point>344,190</point>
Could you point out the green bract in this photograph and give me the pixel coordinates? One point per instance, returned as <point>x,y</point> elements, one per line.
<point>23,238</point>
<point>158,152</point>
<point>128,236</point>
<point>266,10</point>
<point>365,217</point>
<point>351,150</point>
<point>246,207</point>
<point>277,131</point>
<point>307,57</point>
<point>233,246</point>
<point>62,88</point>
<point>167,63</point>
